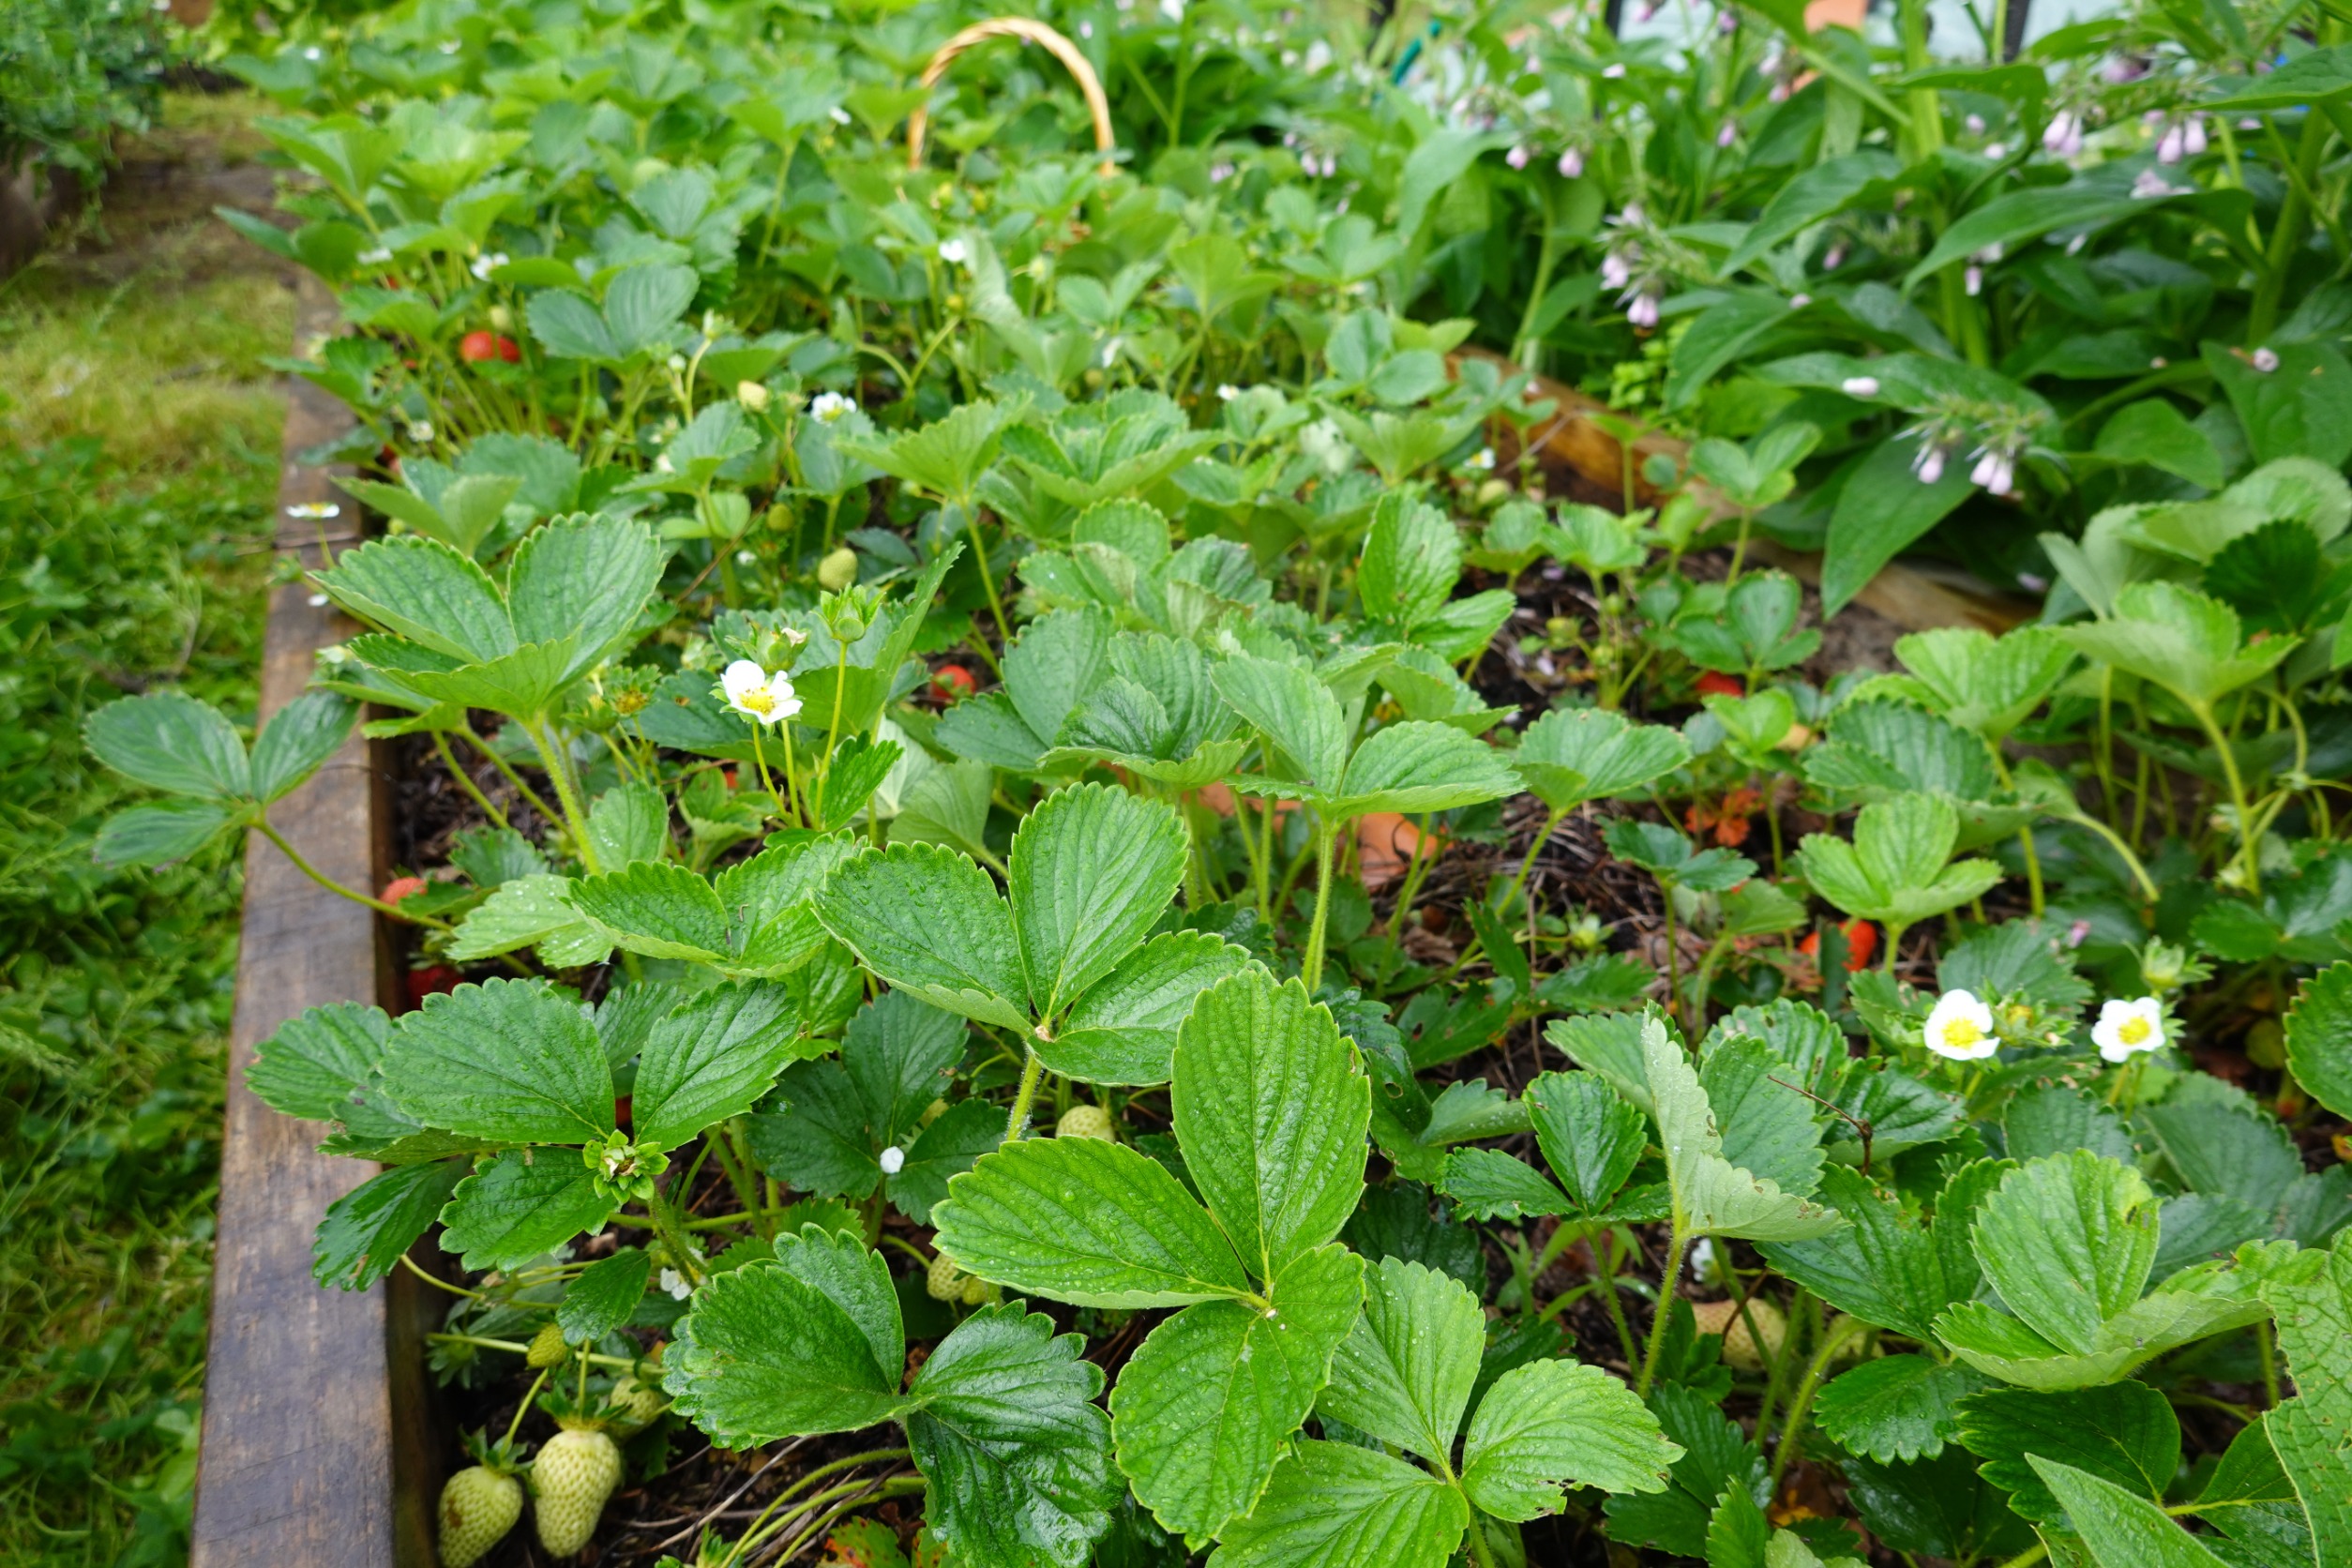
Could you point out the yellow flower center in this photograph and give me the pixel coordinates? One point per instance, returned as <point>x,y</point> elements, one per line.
<point>760,699</point>
<point>1960,1034</point>
<point>2134,1030</point>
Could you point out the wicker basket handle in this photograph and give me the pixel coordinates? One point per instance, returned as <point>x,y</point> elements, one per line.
<point>1031,32</point>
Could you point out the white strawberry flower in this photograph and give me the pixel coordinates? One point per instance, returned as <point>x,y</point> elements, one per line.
<point>674,1282</point>
<point>757,694</point>
<point>892,1161</point>
<point>1960,1029</point>
<point>826,407</point>
<point>2126,1029</point>
<point>954,251</point>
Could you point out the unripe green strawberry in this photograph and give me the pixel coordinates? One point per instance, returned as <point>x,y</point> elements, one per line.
<point>571,1479</point>
<point>945,1281</point>
<point>838,570</point>
<point>478,1507</point>
<point>1084,1122</point>
<point>547,1348</point>
<point>980,1292</point>
<point>637,1404</point>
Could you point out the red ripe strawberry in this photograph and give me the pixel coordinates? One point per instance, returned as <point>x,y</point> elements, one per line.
<point>1714,683</point>
<point>477,346</point>
<point>952,683</point>
<point>423,982</point>
<point>402,887</point>
<point>1862,945</point>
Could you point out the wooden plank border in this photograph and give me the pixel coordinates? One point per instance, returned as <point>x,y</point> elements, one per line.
<point>317,1445</point>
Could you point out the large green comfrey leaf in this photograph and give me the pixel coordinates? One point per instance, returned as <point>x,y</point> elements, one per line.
<point>1000,1418</point>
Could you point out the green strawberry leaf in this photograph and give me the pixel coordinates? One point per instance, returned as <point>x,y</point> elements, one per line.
<point>1414,766</point>
<point>942,1152</point>
<point>533,911</point>
<point>2319,1038</point>
<point>421,589</point>
<point>657,909</point>
<point>1895,870</point>
<point>1334,1505</point>
<point>807,1344</point>
<point>711,1059</point>
<point>1896,1408</point>
<point>1404,1372</point>
<point>162,835</point>
<point>929,920</point>
<point>2119,1528</point>
<point>1884,1267</point>
<point>2314,1309</point>
<point>628,823</point>
<point>1017,1456</point>
<point>511,1060</point>
<point>1206,1404</point>
<point>1123,1030</point>
<point>1590,1136</point>
<point>771,904</point>
<point>1272,1110</point>
<point>1295,712</point>
<point>1092,868</point>
<point>583,579</point>
<point>1574,755</point>
<point>601,1296</point>
<point>2124,1432</point>
<point>171,742</point>
<point>297,740</point>
<point>1086,1222</point>
<point>315,1062</point>
<point>2068,1241</point>
<point>1556,1423</point>
<point>368,1229</point>
<point>1711,1195</point>
<point>517,1208</point>
<point>1487,1184</point>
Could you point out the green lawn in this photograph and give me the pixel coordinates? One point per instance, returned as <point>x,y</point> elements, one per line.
<point>138,433</point>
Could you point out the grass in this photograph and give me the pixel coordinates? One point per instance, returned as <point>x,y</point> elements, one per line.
<point>139,432</point>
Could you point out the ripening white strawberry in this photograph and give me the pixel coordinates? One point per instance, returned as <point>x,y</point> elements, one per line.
<point>1084,1122</point>
<point>547,1348</point>
<point>571,1480</point>
<point>479,1506</point>
<point>945,1281</point>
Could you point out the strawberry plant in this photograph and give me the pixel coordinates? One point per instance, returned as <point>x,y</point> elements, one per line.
<point>1087,909</point>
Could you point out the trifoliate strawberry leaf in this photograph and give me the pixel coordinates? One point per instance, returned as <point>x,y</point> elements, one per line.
<point>1209,1397</point>
<point>1092,868</point>
<point>1404,1372</point>
<point>2124,1432</point>
<point>1711,1195</point>
<point>1554,1424</point>
<point>770,1352</point>
<point>512,1060</point>
<point>1086,1222</point>
<point>1123,1030</point>
<point>2119,1529</point>
<point>657,909</point>
<point>929,920</point>
<point>1271,1109</point>
<point>1896,1408</point>
<point>1769,1128</point>
<point>1334,1505</point>
<point>368,1229</point>
<point>627,823</point>
<point>2314,1308</point>
<point>1574,755</point>
<point>711,1059</point>
<point>1716,1457</point>
<point>818,1140</point>
<point>1895,870</point>
<point>313,1065</point>
<point>519,1206</point>
<point>601,1296</point>
<point>1016,1454</point>
<point>901,1053</point>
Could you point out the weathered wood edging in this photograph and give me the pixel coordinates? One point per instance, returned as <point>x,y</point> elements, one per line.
<point>316,1449</point>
